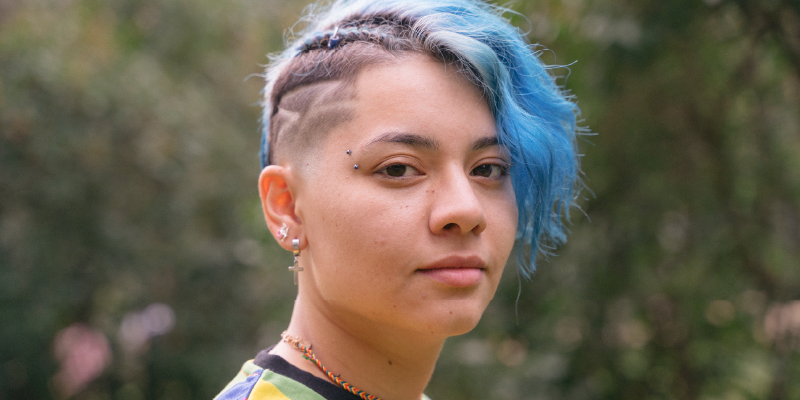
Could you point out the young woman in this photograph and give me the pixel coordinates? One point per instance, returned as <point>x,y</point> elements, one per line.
<point>407,145</point>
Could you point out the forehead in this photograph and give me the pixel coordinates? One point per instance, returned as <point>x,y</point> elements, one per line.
<point>416,95</point>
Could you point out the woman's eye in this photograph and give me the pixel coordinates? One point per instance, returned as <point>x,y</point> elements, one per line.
<point>489,171</point>
<point>399,170</point>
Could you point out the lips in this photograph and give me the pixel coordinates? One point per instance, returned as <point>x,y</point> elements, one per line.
<point>456,271</point>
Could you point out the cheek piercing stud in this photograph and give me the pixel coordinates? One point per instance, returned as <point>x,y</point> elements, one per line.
<point>355,166</point>
<point>348,152</point>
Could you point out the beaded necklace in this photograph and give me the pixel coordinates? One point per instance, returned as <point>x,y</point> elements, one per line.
<point>309,355</point>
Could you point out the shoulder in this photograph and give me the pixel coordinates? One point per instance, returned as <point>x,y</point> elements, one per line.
<point>256,383</point>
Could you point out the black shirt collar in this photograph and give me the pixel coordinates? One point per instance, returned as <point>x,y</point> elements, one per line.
<point>323,387</point>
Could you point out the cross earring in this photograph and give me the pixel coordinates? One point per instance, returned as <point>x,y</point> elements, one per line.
<point>296,267</point>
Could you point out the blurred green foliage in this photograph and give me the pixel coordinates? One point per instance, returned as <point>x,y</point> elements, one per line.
<point>128,161</point>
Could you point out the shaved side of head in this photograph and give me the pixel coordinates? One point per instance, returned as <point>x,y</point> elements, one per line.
<point>315,94</point>
<point>316,91</point>
<point>306,114</point>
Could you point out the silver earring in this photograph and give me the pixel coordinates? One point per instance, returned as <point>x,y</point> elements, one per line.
<point>296,267</point>
<point>283,233</point>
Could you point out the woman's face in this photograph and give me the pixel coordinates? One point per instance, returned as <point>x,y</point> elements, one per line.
<point>416,237</point>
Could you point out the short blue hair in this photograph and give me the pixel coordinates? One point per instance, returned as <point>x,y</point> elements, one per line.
<point>536,119</point>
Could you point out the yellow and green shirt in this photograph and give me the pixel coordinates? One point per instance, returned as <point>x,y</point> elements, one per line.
<point>270,377</point>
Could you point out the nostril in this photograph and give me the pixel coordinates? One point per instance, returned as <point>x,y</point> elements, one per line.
<point>450,226</point>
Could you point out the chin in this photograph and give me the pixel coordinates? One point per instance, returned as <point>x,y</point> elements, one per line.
<point>454,321</point>
<point>462,327</point>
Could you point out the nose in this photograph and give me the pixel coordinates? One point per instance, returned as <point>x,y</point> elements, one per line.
<point>456,208</point>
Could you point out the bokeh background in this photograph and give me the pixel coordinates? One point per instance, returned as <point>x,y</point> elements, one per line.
<point>135,264</point>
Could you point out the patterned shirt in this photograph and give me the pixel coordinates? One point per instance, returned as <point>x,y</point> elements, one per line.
<point>270,377</point>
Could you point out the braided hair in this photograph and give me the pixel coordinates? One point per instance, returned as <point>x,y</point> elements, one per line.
<point>378,30</point>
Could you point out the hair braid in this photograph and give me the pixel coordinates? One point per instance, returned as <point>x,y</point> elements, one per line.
<point>386,32</point>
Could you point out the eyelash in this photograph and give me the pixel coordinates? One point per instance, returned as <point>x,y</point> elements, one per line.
<point>383,171</point>
<point>504,168</point>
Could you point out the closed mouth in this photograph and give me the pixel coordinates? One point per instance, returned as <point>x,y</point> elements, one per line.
<point>456,271</point>
<point>456,262</point>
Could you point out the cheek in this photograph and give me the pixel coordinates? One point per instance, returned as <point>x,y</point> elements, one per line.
<point>503,217</point>
<point>364,242</point>
<point>355,232</point>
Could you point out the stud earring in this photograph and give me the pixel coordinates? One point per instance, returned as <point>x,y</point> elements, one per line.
<point>283,233</point>
<point>296,267</point>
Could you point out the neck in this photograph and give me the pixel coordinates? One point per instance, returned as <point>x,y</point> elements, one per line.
<point>385,362</point>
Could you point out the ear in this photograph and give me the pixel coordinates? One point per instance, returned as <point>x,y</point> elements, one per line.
<point>275,187</point>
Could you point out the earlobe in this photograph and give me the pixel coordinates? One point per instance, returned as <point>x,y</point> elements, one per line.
<point>278,203</point>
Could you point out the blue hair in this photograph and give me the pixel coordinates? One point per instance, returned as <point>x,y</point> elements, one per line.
<point>536,119</point>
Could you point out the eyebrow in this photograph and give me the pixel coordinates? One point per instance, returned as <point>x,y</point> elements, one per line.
<point>408,139</point>
<point>427,143</point>
<point>485,142</point>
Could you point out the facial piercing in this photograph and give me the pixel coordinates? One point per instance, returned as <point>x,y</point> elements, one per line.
<point>355,166</point>
<point>348,152</point>
<point>296,267</point>
<point>283,232</point>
